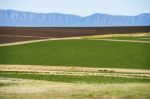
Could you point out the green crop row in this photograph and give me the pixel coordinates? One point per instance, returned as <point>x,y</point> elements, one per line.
<point>72,79</point>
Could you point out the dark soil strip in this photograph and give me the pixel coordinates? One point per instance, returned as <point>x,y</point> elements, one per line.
<point>59,32</point>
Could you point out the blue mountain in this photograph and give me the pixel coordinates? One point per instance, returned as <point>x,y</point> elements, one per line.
<point>27,19</point>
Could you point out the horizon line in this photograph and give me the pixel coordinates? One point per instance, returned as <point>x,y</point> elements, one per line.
<point>68,13</point>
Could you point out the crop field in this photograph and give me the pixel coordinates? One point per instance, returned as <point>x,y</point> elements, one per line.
<point>85,53</point>
<point>112,66</point>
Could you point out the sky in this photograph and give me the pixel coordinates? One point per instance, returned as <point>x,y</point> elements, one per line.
<point>79,7</point>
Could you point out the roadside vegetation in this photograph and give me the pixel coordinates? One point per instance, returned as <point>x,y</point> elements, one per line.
<point>4,84</point>
<point>37,89</point>
<point>72,78</point>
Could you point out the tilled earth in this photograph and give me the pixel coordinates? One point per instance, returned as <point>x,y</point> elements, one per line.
<point>16,34</point>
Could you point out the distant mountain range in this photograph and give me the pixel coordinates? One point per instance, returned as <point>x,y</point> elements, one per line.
<point>27,19</point>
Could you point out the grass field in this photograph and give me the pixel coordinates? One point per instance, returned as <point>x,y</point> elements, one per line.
<point>90,53</point>
<point>23,89</point>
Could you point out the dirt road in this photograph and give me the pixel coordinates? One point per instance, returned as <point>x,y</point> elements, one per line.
<point>78,71</point>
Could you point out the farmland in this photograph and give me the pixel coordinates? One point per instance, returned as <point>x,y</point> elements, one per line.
<point>85,53</point>
<point>15,34</point>
<point>92,65</point>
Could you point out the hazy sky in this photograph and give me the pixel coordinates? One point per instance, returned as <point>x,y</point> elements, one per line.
<point>79,7</point>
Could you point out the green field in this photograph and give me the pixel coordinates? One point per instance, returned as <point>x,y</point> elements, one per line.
<point>85,53</point>
<point>73,78</point>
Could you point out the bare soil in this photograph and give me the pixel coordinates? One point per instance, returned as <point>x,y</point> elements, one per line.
<point>35,33</point>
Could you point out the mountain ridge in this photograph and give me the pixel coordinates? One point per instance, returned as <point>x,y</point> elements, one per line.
<point>20,18</point>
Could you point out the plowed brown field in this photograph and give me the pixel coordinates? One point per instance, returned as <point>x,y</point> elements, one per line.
<point>15,34</point>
